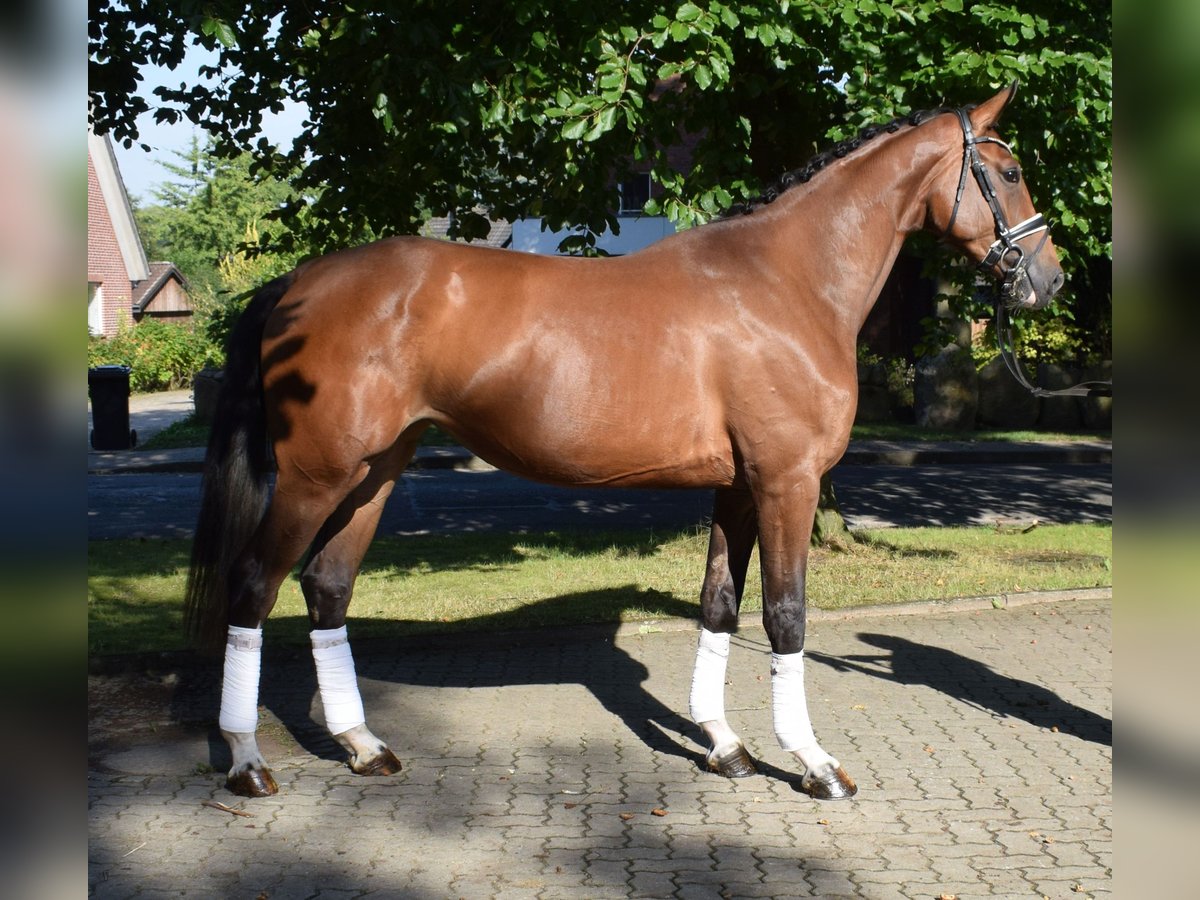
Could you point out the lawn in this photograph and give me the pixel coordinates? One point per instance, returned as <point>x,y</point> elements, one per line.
<point>500,582</point>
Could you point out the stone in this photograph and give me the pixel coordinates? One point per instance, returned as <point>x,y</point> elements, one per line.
<point>874,402</point>
<point>1003,401</point>
<point>206,387</point>
<point>1097,411</point>
<point>946,392</point>
<point>1058,413</point>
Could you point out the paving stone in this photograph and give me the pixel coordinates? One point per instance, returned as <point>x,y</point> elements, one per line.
<point>491,738</point>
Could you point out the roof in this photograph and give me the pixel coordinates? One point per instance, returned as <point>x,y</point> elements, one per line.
<point>146,290</point>
<point>499,231</point>
<point>116,200</point>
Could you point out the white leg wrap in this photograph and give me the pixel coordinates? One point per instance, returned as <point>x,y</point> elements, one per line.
<point>793,727</point>
<point>336,680</point>
<point>239,689</point>
<point>707,702</point>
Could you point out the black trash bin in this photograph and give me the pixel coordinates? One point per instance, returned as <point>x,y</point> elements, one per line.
<point>108,388</point>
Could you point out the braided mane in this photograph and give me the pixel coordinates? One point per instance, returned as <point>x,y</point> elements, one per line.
<point>825,157</point>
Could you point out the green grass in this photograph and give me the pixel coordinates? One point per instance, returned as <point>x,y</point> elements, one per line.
<point>892,431</point>
<point>184,433</point>
<point>501,582</point>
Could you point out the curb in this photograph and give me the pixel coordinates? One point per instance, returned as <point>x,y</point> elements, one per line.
<point>128,663</point>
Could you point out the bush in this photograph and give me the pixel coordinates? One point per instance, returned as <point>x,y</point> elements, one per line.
<point>162,355</point>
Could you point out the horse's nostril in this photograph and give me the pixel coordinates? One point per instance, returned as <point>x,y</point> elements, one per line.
<point>1057,282</point>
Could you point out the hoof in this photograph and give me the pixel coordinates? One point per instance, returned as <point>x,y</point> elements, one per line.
<point>828,782</point>
<point>734,764</point>
<point>385,763</point>
<point>252,783</point>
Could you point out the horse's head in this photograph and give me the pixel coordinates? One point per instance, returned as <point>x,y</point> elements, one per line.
<point>985,208</point>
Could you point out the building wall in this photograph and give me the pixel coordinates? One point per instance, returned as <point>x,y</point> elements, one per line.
<point>170,301</point>
<point>105,265</point>
<point>636,233</point>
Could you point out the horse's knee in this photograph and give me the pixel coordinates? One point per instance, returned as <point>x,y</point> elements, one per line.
<point>720,598</point>
<point>785,624</point>
<point>327,594</point>
<point>719,607</point>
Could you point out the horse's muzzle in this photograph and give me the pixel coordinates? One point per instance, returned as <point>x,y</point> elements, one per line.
<point>1026,290</point>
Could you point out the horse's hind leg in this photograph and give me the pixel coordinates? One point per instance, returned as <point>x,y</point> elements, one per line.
<point>296,511</point>
<point>328,584</point>
<point>731,541</point>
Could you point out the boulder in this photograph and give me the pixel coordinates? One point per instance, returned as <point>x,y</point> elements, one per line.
<point>1058,413</point>
<point>206,386</point>
<point>874,403</point>
<point>1003,401</point>
<point>946,392</point>
<point>1097,411</point>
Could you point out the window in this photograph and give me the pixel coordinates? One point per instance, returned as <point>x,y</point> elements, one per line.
<point>95,308</point>
<point>634,191</point>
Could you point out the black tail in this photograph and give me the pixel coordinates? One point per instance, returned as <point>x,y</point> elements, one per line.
<point>236,474</point>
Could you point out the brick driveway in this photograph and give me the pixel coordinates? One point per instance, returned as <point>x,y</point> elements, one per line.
<point>547,768</point>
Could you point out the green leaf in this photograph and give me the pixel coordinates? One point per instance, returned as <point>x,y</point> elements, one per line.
<point>689,12</point>
<point>574,129</point>
<point>214,27</point>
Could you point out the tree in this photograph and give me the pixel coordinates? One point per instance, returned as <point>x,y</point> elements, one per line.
<point>428,107</point>
<point>527,108</point>
<point>209,222</point>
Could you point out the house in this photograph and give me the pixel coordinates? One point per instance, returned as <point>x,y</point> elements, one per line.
<point>163,295</point>
<point>123,286</point>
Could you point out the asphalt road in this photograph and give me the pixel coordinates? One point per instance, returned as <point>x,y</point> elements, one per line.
<point>442,501</point>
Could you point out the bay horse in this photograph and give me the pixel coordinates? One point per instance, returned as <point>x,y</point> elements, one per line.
<point>721,357</point>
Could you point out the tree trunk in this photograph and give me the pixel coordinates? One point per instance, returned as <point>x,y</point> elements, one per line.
<point>829,527</point>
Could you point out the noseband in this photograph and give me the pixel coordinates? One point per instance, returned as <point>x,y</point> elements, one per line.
<point>1005,251</point>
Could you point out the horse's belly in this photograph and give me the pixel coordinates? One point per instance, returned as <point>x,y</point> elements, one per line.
<point>611,456</point>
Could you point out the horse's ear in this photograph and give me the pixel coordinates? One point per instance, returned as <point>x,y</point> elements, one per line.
<point>987,114</point>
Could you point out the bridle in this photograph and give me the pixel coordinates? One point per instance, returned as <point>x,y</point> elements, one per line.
<point>1005,251</point>
<point>1010,257</point>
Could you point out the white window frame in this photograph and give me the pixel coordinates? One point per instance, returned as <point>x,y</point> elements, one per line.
<point>95,308</point>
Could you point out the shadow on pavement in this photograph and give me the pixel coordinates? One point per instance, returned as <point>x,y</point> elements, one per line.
<point>489,654</point>
<point>972,682</point>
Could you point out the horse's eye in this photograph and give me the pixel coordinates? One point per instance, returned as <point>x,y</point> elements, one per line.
<point>1012,176</point>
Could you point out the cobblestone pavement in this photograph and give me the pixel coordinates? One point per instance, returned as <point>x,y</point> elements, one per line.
<point>540,768</point>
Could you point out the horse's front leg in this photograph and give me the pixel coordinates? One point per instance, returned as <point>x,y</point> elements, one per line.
<point>730,544</point>
<point>785,520</point>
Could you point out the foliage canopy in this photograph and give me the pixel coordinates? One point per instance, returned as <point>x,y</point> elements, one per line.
<point>446,107</point>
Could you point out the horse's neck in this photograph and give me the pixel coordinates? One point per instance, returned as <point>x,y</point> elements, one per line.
<point>850,221</point>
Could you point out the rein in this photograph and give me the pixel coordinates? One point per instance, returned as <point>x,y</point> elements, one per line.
<point>1012,261</point>
<point>1007,352</point>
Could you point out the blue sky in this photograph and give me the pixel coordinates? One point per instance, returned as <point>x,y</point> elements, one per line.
<point>140,169</point>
